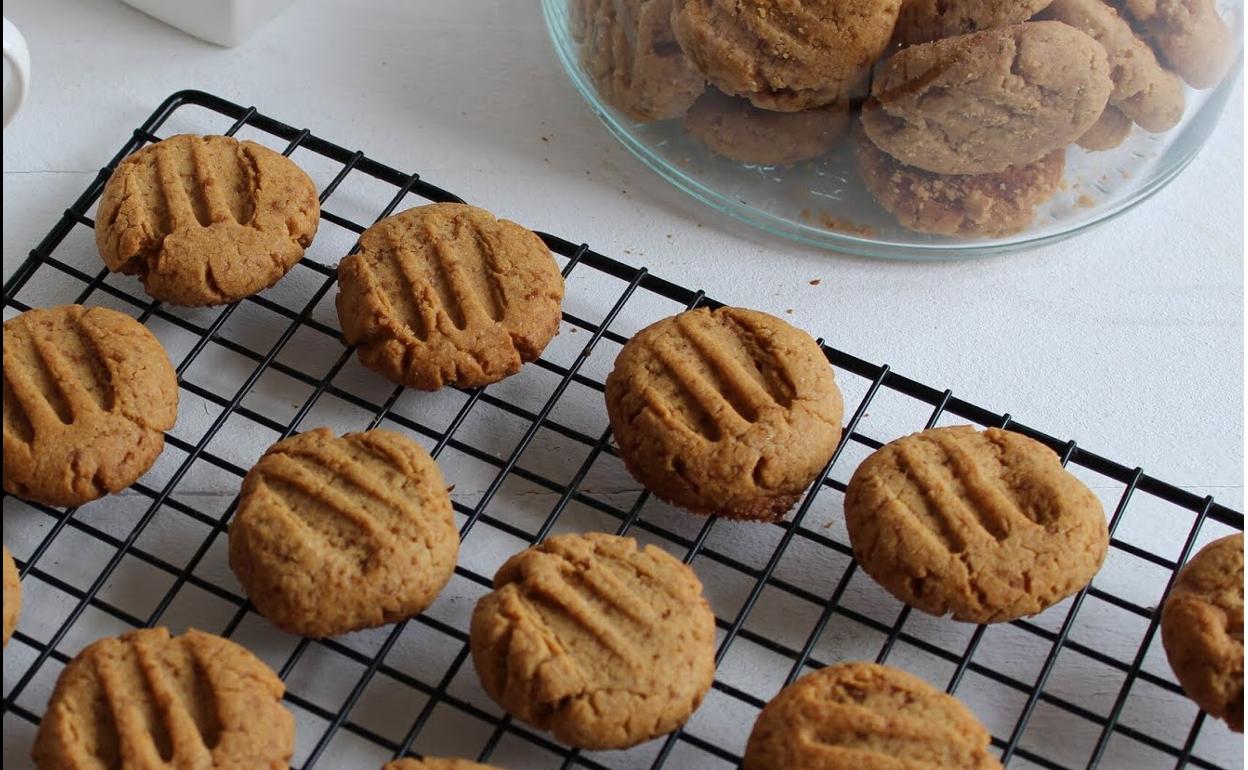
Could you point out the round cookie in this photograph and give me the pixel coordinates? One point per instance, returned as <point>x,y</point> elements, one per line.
<point>735,129</point>
<point>632,56</point>
<point>922,21</point>
<point>729,412</point>
<point>981,103</point>
<point>1108,132</point>
<point>12,595</point>
<point>88,395</point>
<point>851,716</point>
<point>206,220</point>
<point>446,294</point>
<point>992,205</point>
<point>434,763</point>
<point>604,644</point>
<point>786,56</point>
<point>1145,91</point>
<point>339,534</point>
<point>1191,35</point>
<point>986,526</point>
<point>148,699</point>
<point>1202,629</point>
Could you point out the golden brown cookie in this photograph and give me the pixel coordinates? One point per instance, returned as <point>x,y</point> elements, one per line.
<point>335,534</point>
<point>434,763</point>
<point>146,699</point>
<point>12,595</point>
<point>992,205</point>
<point>853,716</point>
<point>981,103</point>
<point>729,412</point>
<point>1108,132</point>
<point>1202,629</point>
<point>986,526</point>
<point>1190,35</point>
<point>1144,91</point>
<point>783,55</point>
<point>602,643</point>
<point>634,60</point>
<point>206,220</point>
<point>735,129</point>
<point>88,395</point>
<point>446,294</point>
<point>922,21</point>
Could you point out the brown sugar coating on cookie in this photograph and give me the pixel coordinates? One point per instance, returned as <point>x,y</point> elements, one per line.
<point>992,205</point>
<point>12,595</point>
<point>206,220</point>
<point>434,763</point>
<point>1144,91</point>
<point>338,534</point>
<point>446,294</point>
<point>735,129</point>
<point>1191,35</point>
<point>146,699</point>
<point>786,55</point>
<point>987,526</point>
<point>88,394</point>
<point>632,56</point>
<point>729,412</point>
<point>602,643</point>
<point>1108,132</point>
<point>1202,628</point>
<point>863,715</point>
<point>922,21</point>
<point>981,103</point>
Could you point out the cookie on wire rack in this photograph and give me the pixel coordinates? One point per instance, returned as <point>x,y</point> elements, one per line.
<point>447,294</point>
<point>984,526</point>
<point>12,595</point>
<point>435,763</point>
<point>341,533</point>
<point>206,220</point>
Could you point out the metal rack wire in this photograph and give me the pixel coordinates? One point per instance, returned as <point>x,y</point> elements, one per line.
<point>1049,641</point>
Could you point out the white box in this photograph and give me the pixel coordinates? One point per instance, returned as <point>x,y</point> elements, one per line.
<point>224,22</point>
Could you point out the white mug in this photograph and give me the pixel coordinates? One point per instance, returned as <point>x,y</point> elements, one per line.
<point>17,56</point>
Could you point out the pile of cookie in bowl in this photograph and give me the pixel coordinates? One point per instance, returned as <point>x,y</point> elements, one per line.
<point>592,637</point>
<point>959,112</point>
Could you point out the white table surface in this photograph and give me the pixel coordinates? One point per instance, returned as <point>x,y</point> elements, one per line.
<point>1128,338</point>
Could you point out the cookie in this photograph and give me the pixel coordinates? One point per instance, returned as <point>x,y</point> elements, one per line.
<point>12,595</point>
<point>147,699</point>
<point>986,526</point>
<point>434,763</point>
<point>922,21</point>
<point>1145,92</point>
<point>981,103</point>
<point>1202,629</point>
<point>603,643</point>
<point>1108,132</point>
<point>991,205</point>
<point>336,534</point>
<point>206,220</point>
<point>853,715</point>
<point>88,395</point>
<point>729,412</point>
<point>632,56</point>
<point>1190,34</point>
<point>446,294</point>
<point>737,130</point>
<point>782,55</point>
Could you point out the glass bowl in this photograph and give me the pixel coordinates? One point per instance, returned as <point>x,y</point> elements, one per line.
<point>822,202</point>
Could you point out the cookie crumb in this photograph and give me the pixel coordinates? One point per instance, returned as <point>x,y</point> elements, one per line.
<point>836,224</point>
<point>1085,201</point>
<point>789,311</point>
<point>814,281</point>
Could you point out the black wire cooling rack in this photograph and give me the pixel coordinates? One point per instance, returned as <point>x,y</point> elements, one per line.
<point>1082,685</point>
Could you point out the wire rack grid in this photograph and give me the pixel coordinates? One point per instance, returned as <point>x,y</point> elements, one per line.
<point>1082,685</point>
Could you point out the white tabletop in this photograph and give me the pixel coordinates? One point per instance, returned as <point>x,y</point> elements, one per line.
<point>1128,338</point>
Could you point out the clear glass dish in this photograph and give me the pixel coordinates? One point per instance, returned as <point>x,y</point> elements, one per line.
<point>822,202</point>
